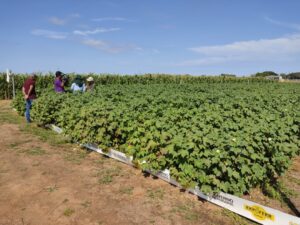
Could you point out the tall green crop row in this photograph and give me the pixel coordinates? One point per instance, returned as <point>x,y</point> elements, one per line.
<point>6,89</point>
<point>46,81</point>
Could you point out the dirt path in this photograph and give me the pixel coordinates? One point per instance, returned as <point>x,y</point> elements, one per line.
<point>45,181</point>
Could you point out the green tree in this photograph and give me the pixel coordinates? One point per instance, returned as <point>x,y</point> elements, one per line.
<point>265,74</point>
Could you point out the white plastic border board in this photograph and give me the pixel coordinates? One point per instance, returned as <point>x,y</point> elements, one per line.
<point>251,210</point>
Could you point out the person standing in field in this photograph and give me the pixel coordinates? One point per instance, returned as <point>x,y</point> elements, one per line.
<point>29,93</point>
<point>78,84</point>
<point>89,84</point>
<point>59,84</point>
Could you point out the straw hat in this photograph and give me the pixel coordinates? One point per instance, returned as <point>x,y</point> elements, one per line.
<point>90,79</point>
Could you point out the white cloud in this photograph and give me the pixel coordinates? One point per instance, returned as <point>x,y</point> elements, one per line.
<point>205,61</point>
<point>102,45</point>
<point>283,24</point>
<point>60,22</point>
<point>57,21</point>
<point>49,34</point>
<point>98,30</point>
<point>253,50</point>
<point>109,47</point>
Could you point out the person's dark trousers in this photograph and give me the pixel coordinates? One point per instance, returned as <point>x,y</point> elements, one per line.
<point>28,107</point>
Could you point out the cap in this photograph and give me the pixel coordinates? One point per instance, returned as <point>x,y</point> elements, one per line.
<point>58,73</point>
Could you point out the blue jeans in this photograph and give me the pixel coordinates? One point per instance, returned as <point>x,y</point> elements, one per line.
<point>28,107</point>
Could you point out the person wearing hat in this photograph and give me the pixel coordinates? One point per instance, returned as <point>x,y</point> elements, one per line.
<point>78,84</point>
<point>29,93</point>
<point>89,84</point>
<point>59,83</point>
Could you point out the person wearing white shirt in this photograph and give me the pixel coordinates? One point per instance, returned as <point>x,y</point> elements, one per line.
<point>78,84</point>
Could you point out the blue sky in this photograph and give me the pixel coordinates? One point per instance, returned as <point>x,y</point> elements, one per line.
<point>159,36</point>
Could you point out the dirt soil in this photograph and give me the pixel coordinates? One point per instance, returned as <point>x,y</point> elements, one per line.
<point>44,180</point>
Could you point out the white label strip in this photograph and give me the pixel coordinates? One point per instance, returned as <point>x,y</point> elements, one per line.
<point>56,129</point>
<point>251,210</point>
<point>120,156</point>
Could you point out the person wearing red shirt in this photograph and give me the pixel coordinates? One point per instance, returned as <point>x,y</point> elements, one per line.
<point>29,93</point>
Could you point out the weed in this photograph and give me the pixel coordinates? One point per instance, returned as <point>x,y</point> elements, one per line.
<point>13,145</point>
<point>100,161</point>
<point>86,204</point>
<point>108,174</point>
<point>106,179</point>
<point>237,219</point>
<point>35,151</point>
<point>186,210</point>
<point>76,156</point>
<point>44,135</point>
<point>7,116</point>
<point>51,189</point>
<point>155,194</point>
<point>192,216</point>
<point>126,190</point>
<point>271,192</point>
<point>68,212</point>
<point>18,143</point>
<point>279,191</point>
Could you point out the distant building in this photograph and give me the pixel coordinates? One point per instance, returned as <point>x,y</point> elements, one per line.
<point>274,77</point>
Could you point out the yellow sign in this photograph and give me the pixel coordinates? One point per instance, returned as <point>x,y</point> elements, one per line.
<point>259,212</point>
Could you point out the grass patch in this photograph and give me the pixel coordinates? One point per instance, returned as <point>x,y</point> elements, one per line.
<point>192,216</point>
<point>100,161</point>
<point>106,176</point>
<point>106,179</point>
<point>35,151</point>
<point>51,189</point>
<point>44,134</point>
<point>86,204</point>
<point>68,212</point>
<point>14,145</point>
<point>279,191</point>
<point>17,144</point>
<point>8,116</point>
<point>76,156</point>
<point>126,190</point>
<point>187,211</point>
<point>155,193</point>
<point>238,220</point>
